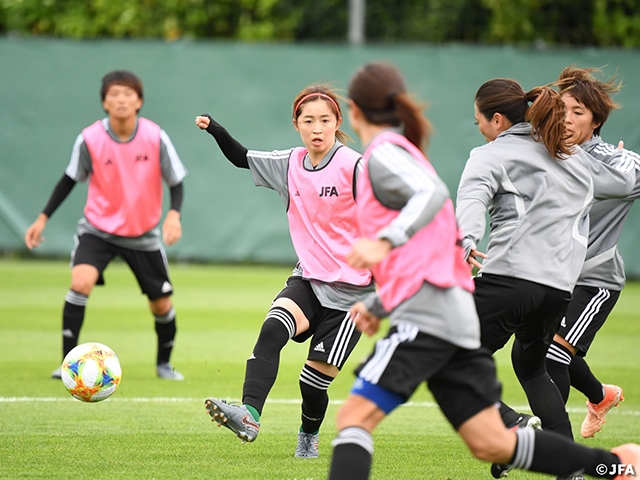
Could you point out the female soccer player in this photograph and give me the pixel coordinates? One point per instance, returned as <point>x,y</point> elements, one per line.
<point>317,183</point>
<point>410,240</point>
<point>126,158</point>
<point>537,189</point>
<point>589,103</point>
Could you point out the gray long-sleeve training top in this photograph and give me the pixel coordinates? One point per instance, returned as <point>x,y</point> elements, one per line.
<point>538,205</point>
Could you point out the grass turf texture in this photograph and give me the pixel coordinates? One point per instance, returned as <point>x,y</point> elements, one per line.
<point>158,429</point>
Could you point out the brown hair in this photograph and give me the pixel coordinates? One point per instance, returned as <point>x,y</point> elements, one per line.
<point>546,112</point>
<point>121,77</point>
<point>320,92</point>
<point>594,94</point>
<point>378,89</point>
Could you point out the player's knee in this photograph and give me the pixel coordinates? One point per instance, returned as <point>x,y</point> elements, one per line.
<point>323,368</point>
<point>530,362</point>
<point>160,306</point>
<point>82,285</point>
<point>83,279</point>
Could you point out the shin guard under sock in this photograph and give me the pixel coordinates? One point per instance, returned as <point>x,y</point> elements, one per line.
<point>72,318</point>
<point>166,332</point>
<point>262,367</point>
<point>315,399</point>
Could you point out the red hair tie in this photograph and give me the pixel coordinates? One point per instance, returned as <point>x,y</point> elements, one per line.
<point>316,94</point>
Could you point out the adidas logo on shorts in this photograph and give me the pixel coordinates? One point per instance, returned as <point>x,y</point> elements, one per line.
<point>166,287</point>
<point>319,347</point>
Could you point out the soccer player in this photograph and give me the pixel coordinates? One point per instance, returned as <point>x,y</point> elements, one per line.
<point>410,240</point>
<point>126,158</point>
<point>537,189</point>
<point>317,184</point>
<point>589,103</point>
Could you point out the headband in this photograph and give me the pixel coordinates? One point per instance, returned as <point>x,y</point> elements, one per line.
<point>317,94</point>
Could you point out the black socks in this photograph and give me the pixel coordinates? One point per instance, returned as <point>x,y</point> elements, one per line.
<point>72,318</point>
<point>166,331</point>
<point>262,367</point>
<point>315,400</point>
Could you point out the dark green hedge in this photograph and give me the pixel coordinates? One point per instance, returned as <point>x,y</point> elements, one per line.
<point>559,22</point>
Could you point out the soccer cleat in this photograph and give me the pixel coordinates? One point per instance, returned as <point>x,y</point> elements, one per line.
<point>235,417</point>
<point>307,445</point>
<point>594,420</point>
<point>499,470</point>
<point>528,421</point>
<point>167,372</point>
<point>57,373</point>
<point>629,455</point>
<point>525,421</point>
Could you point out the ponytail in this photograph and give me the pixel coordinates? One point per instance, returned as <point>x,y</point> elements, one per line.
<point>546,115</point>
<point>417,127</point>
<point>546,112</point>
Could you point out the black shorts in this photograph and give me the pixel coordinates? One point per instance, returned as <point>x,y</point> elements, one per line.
<point>587,312</point>
<point>511,306</point>
<point>463,382</point>
<point>333,334</point>
<point>149,268</point>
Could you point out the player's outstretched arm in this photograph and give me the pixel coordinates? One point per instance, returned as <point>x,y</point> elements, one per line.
<point>235,152</point>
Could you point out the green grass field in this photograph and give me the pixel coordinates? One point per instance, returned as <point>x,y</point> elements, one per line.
<point>158,429</point>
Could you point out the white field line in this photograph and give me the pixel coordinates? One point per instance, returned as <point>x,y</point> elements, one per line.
<point>281,401</point>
